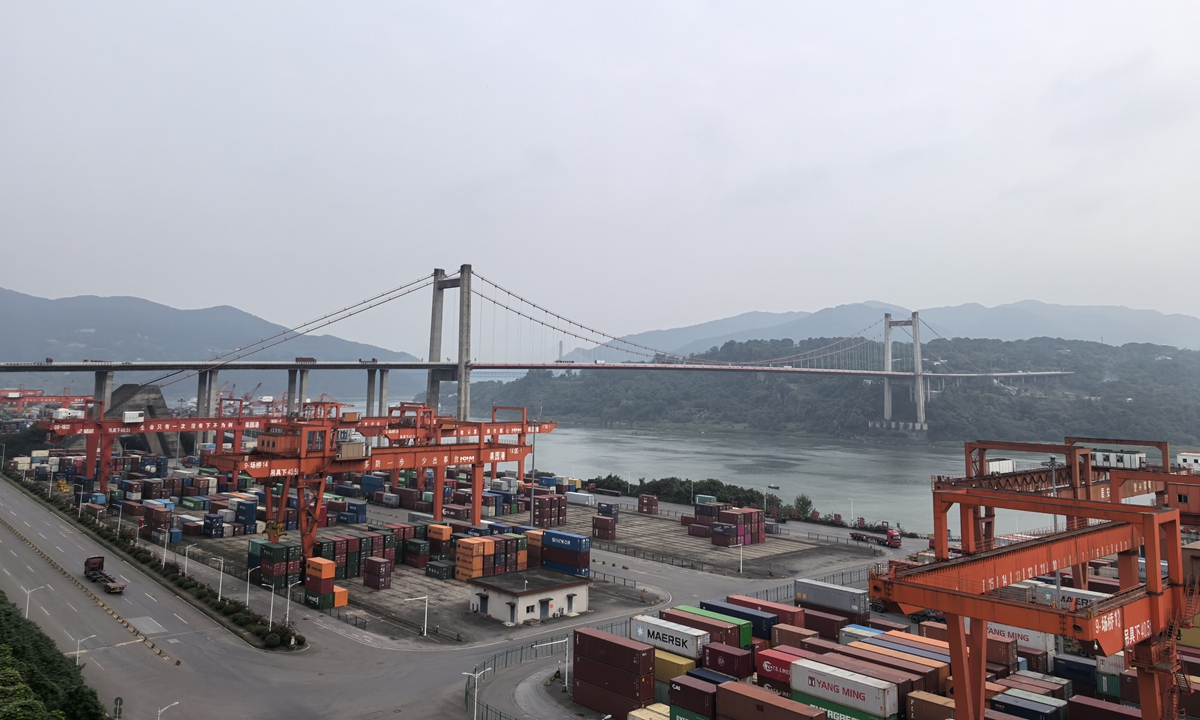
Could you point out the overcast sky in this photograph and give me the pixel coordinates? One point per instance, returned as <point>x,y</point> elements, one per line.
<point>631,165</point>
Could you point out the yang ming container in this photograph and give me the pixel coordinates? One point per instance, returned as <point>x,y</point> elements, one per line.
<point>859,692</point>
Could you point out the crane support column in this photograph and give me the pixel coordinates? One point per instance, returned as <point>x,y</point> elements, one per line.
<point>370,393</point>
<point>439,484</point>
<point>967,652</point>
<point>887,366</point>
<point>917,370</point>
<point>464,343</point>
<point>434,383</point>
<point>477,495</point>
<point>291,392</point>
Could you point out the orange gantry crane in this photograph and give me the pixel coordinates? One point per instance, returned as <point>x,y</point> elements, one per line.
<point>1142,619</point>
<point>22,397</point>
<point>301,451</point>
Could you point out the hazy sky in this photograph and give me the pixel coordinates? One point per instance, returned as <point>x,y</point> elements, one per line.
<point>632,165</point>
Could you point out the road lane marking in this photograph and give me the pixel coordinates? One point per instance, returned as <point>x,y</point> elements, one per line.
<point>58,548</point>
<point>79,546</point>
<point>149,596</point>
<point>13,553</point>
<point>44,610</point>
<point>26,524</point>
<point>29,568</point>
<point>123,578</point>
<point>72,607</point>
<point>43,536</point>
<point>97,663</point>
<point>6,572</point>
<point>49,586</point>
<point>185,622</point>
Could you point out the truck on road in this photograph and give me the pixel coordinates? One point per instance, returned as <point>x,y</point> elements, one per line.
<point>93,569</point>
<point>890,539</point>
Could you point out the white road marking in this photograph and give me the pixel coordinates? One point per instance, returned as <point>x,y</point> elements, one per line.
<point>185,622</point>
<point>44,610</point>
<point>6,572</point>
<point>29,568</point>
<point>27,524</point>
<point>72,607</point>
<point>49,586</point>
<point>79,546</point>
<point>58,548</point>
<point>97,663</point>
<point>149,596</point>
<point>123,578</point>
<point>43,536</point>
<point>13,554</point>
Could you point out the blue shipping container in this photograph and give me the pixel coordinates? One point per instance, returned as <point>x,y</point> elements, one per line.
<point>760,622</point>
<point>567,569</point>
<point>347,518</point>
<point>710,676</point>
<point>570,541</point>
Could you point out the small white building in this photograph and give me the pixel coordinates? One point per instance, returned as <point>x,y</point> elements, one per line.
<point>1189,460</point>
<point>516,598</point>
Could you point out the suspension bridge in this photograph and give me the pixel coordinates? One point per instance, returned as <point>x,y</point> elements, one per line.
<point>499,331</point>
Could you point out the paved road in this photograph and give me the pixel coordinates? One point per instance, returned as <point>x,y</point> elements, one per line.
<point>345,674</point>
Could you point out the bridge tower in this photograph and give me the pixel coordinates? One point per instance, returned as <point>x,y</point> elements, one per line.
<point>918,372</point>
<point>462,373</point>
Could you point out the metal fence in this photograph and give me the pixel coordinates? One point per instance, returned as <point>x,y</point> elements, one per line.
<point>837,540</point>
<point>605,577</point>
<point>514,656</point>
<point>848,577</point>
<point>653,557</point>
<point>779,593</point>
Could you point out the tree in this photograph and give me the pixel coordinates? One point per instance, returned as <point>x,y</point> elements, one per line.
<point>804,506</point>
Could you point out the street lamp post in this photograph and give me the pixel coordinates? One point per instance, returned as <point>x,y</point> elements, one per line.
<point>163,710</point>
<point>425,625</point>
<point>287,616</point>
<point>27,594</point>
<point>79,514</point>
<point>853,521</point>
<point>248,572</point>
<point>475,688</point>
<point>166,537</point>
<point>187,550</point>
<point>120,513</point>
<point>220,578</point>
<point>79,647</point>
<point>271,617</point>
<point>567,669</point>
<point>1053,463</point>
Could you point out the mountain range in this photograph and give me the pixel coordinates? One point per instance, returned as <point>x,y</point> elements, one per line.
<point>128,328</point>
<point>1110,324</point>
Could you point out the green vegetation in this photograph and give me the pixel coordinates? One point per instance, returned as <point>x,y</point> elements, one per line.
<point>23,442</point>
<point>37,682</point>
<point>675,490</point>
<point>1136,391</point>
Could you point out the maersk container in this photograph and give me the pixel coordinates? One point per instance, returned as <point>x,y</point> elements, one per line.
<point>745,633</point>
<point>854,633</point>
<point>760,622</point>
<point>568,541</point>
<point>855,691</point>
<point>834,597</point>
<point>672,637</point>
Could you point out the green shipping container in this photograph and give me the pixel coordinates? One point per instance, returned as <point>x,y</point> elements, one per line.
<point>275,582</point>
<point>256,547</point>
<point>743,625</point>
<point>317,600</point>
<point>835,711</point>
<point>339,572</point>
<point>274,552</point>
<point>1109,685</point>
<point>678,713</point>
<point>440,570</point>
<point>295,551</point>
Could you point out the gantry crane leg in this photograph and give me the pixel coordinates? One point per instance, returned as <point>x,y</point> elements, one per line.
<point>439,491</point>
<point>968,649</point>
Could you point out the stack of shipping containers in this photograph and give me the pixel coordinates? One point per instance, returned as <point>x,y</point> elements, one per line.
<point>612,674</point>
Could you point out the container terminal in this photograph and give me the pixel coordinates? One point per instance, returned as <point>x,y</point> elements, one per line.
<point>341,511</point>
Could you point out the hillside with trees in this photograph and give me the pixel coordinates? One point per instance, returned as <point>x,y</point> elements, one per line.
<point>1136,390</point>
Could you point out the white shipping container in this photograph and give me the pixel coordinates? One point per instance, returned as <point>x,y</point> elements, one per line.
<point>849,634</point>
<point>834,597</point>
<point>578,498</point>
<point>672,637</point>
<point>65,414</point>
<point>1112,665</point>
<point>1118,459</point>
<point>1001,465</point>
<point>1028,639</point>
<point>1189,460</point>
<point>133,416</point>
<point>843,687</point>
<point>1044,595</point>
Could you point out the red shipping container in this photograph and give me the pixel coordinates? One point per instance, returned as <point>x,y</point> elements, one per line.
<point>601,700</point>
<point>740,700</point>
<point>729,660</point>
<point>929,675</point>
<point>621,653</point>
<point>694,695</point>
<point>377,582</point>
<point>826,624</point>
<point>719,631</point>
<point>885,625</point>
<point>1093,709</point>
<point>818,645</point>
<point>795,652</point>
<point>615,680</point>
<point>699,531</point>
<point>318,585</point>
<point>782,689</point>
<point>790,635</point>
<point>787,614</point>
<point>775,665</point>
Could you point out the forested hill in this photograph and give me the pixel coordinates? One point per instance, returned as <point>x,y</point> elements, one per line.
<point>1135,391</point>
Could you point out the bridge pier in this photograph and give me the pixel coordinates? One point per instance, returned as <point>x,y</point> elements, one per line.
<point>370,393</point>
<point>291,392</point>
<point>302,392</point>
<point>887,365</point>
<point>433,386</point>
<point>104,388</point>
<point>211,408</point>
<point>464,343</point>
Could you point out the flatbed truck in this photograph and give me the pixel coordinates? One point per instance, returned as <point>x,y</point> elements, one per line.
<point>93,569</point>
<point>891,539</point>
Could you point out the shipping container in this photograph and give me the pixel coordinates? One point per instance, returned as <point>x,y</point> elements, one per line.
<point>668,665</point>
<point>744,629</point>
<point>787,614</point>
<point>747,702</point>
<point>694,695</point>
<point>834,597</point>
<point>1091,709</point>
<point>718,631</point>
<point>855,633</point>
<point>613,650</point>
<point>712,676</point>
<point>927,676</point>
<point>828,625</point>
<point>927,706</point>
<point>601,700</point>
<point>1079,670</point>
<point>615,680</point>
<point>902,680</point>
<point>1022,708</point>
<point>760,622</point>
<point>673,637</point>
<point>775,664</point>
<point>790,635</point>
<point>1060,706</point>
<point>729,660</point>
<point>859,692</point>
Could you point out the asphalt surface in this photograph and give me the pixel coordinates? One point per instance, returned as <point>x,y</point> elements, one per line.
<point>345,673</point>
